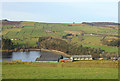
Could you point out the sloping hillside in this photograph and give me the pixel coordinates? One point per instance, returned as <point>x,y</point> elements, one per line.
<point>24,33</point>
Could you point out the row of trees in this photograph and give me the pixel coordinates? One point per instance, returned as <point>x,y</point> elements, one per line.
<point>100,23</point>
<point>61,45</point>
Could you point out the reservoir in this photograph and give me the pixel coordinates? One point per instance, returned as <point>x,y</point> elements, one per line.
<point>30,56</point>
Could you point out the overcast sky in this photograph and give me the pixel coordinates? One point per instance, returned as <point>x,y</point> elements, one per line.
<point>62,11</point>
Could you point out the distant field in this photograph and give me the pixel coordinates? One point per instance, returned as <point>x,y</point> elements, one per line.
<point>83,34</point>
<point>75,70</point>
<point>106,48</point>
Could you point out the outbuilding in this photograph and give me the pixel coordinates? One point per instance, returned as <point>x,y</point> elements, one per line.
<point>81,57</point>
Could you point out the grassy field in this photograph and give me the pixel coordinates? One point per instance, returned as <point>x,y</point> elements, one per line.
<point>29,31</point>
<point>74,70</point>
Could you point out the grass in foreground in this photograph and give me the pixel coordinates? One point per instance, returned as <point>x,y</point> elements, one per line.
<point>75,70</point>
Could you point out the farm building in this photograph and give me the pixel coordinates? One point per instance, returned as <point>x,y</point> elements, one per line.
<point>115,58</point>
<point>15,39</point>
<point>81,57</point>
<point>49,57</point>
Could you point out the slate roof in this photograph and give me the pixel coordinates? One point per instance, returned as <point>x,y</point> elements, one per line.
<point>49,57</point>
<point>84,56</point>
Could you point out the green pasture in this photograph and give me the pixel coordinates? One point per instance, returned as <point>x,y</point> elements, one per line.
<point>106,48</point>
<point>75,70</point>
<point>30,31</point>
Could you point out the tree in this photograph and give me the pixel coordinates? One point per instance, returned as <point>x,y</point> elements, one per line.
<point>71,49</point>
<point>7,44</point>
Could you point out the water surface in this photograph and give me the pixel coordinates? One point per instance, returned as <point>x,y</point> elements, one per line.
<point>28,56</point>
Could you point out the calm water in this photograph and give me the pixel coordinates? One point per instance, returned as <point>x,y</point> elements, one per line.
<point>26,56</point>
